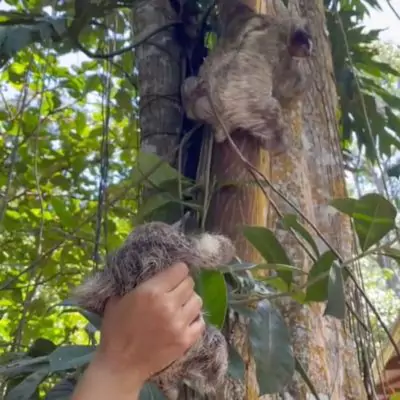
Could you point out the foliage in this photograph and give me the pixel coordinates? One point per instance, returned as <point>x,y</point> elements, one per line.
<point>369,104</point>
<point>69,143</point>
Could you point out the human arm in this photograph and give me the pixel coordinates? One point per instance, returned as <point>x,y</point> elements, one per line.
<point>141,334</point>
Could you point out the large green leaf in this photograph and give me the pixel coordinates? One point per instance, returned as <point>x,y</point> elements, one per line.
<point>336,305</point>
<point>290,221</point>
<point>70,357</point>
<point>15,38</point>
<point>25,389</point>
<point>265,242</point>
<point>236,367</point>
<point>212,289</point>
<point>23,366</point>
<point>373,216</point>
<point>318,278</point>
<point>270,345</point>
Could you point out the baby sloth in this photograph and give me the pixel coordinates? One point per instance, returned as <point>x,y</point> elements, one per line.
<point>250,77</point>
<point>152,248</point>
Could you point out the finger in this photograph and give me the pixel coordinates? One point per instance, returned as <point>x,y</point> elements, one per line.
<point>111,303</point>
<point>183,292</point>
<point>170,278</point>
<point>192,309</point>
<point>196,329</point>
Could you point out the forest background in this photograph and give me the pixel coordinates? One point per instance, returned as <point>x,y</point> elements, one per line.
<point>70,145</point>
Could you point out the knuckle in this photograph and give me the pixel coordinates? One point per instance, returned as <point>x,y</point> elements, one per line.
<point>190,281</point>
<point>199,300</point>
<point>181,266</point>
<point>150,294</point>
<point>168,309</point>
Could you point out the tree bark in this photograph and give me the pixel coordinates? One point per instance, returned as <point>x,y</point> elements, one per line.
<point>158,61</point>
<point>310,175</point>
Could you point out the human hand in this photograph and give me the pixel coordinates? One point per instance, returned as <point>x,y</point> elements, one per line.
<point>150,327</point>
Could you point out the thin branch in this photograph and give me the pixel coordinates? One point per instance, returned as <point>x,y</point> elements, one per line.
<point>127,48</point>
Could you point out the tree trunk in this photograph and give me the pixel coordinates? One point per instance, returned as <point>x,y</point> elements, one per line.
<point>158,61</point>
<point>310,175</point>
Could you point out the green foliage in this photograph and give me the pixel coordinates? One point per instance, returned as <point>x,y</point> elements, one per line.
<point>269,341</point>
<point>374,217</point>
<point>264,240</point>
<point>212,288</point>
<point>366,83</point>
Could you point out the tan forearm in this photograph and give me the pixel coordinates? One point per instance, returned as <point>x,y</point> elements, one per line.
<point>101,382</point>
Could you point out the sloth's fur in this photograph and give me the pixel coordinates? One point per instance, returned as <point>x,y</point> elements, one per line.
<point>149,249</point>
<point>250,77</point>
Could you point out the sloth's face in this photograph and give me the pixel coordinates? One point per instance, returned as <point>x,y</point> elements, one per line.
<point>300,43</point>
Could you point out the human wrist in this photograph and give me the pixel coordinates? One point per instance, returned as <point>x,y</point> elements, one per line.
<point>102,380</point>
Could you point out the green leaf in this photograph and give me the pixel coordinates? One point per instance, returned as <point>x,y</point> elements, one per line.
<point>373,216</point>
<point>270,345</point>
<point>390,252</point>
<point>124,99</point>
<point>61,210</point>
<point>212,289</point>
<point>336,306</point>
<point>290,221</point>
<point>278,267</point>
<point>15,38</point>
<point>93,318</point>
<point>319,275</point>
<point>151,204</point>
<point>70,357</point>
<point>23,366</point>
<point>236,367</point>
<point>25,389</point>
<point>152,171</point>
<point>277,283</point>
<point>269,247</point>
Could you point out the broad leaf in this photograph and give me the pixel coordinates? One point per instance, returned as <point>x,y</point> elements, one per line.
<point>154,171</point>
<point>236,367</point>
<point>70,357</point>
<point>318,278</point>
<point>373,215</point>
<point>336,306</point>
<point>290,221</point>
<point>23,366</point>
<point>270,345</point>
<point>25,389</point>
<point>212,289</point>
<point>391,252</point>
<point>269,247</point>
